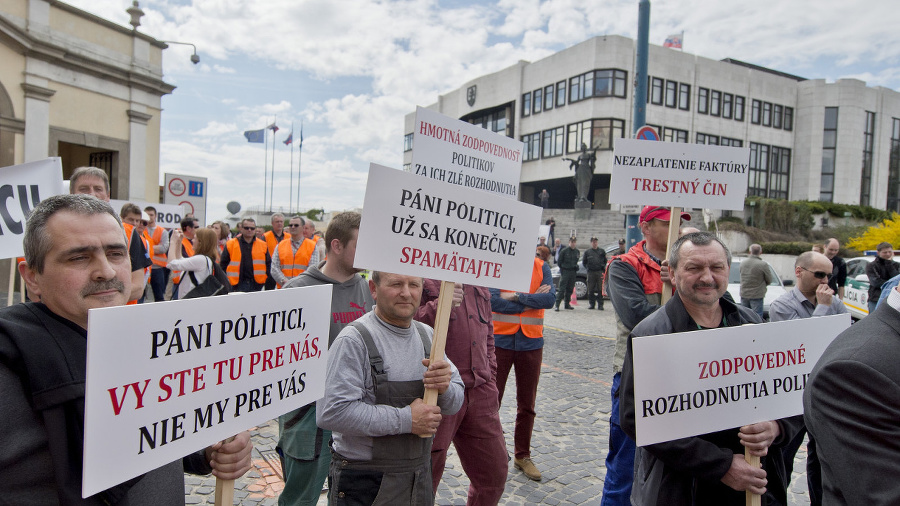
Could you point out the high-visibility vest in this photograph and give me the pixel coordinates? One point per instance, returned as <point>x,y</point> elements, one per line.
<point>158,259</point>
<point>129,232</point>
<point>293,264</point>
<point>258,254</point>
<point>188,248</point>
<point>531,321</point>
<point>272,242</point>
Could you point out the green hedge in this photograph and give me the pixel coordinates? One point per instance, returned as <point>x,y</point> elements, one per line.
<point>786,248</point>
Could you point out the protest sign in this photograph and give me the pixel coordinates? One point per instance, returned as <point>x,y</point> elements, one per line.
<point>465,155</point>
<point>417,226</point>
<point>693,383</point>
<point>170,378</point>
<point>679,175</point>
<point>21,188</point>
<point>168,216</point>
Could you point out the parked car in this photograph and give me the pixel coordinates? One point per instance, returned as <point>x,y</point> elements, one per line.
<point>773,291</point>
<point>856,291</point>
<point>581,275</point>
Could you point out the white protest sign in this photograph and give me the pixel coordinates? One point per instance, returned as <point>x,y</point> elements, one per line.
<point>418,226</point>
<point>693,383</point>
<point>170,378</point>
<point>168,216</point>
<point>466,155</point>
<point>676,174</point>
<point>21,188</point>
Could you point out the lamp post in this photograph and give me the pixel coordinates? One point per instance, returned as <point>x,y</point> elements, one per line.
<point>195,58</point>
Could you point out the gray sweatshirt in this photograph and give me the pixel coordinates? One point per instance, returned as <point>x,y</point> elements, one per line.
<point>348,408</point>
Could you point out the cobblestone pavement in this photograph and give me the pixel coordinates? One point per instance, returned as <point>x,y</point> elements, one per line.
<point>570,433</point>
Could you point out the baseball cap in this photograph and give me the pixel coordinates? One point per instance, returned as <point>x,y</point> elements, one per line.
<point>660,213</point>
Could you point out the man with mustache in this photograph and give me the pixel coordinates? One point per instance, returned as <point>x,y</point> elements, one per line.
<point>76,259</point>
<point>709,468</point>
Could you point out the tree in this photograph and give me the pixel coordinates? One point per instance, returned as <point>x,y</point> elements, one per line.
<point>886,231</point>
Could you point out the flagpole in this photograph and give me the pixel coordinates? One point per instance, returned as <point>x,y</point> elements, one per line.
<point>272,179</point>
<point>265,164</point>
<point>299,159</point>
<point>291,169</point>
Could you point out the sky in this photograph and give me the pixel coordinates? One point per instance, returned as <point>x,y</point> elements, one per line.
<point>350,70</point>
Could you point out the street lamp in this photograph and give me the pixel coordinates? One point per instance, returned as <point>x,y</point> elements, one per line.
<point>195,58</point>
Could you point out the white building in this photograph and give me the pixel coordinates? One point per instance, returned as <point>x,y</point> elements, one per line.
<point>808,140</point>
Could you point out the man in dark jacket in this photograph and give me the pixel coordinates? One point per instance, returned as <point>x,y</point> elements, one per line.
<point>879,271</point>
<point>594,260</point>
<point>568,266</point>
<point>707,469</point>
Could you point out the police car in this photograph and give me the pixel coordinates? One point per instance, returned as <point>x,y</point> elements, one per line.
<point>856,291</point>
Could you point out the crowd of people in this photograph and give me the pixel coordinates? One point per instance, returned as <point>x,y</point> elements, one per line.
<point>372,436</point>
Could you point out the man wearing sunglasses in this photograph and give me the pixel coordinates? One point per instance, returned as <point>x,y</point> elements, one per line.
<point>246,260</point>
<point>810,297</point>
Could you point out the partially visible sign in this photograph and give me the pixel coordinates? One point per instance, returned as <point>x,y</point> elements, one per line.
<point>167,379</point>
<point>421,227</point>
<point>679,174</point>
<point>465,155</point>
<point>647,133</point>
<point>188,192</point>
<point>630,208</point>
<point>21,188</point>
<point>693,383</point>
<point>167,216</point>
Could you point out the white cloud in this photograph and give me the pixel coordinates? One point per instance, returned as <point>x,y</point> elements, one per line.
<point>214,128</point>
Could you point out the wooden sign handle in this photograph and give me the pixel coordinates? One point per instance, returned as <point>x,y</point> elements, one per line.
<point>12,282</point>
<point>225,488</point>
<point>753,460</point>
<point>439,338</point>
<point>674,227</point>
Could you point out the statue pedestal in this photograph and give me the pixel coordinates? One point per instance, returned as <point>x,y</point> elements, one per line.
<point>582,210</point>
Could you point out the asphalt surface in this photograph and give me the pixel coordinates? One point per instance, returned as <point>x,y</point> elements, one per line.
<point>570,433</point>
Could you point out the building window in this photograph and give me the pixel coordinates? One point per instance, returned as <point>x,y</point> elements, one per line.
<point>727,105</point>
<point>779,173</point>
<point>788,118</point>
<point>552,142</point>
<point>865,191</point>
<point>548,97</point>
<point>656,91</point>
<point>715,103</point>
<point>538,101</point>
<point>684,97</point>
<point>767,114</point>
<point>674,135</point>
<point>493,121</point>
<point>560,94</point>
<point>707,139</point>
<point>526,104</point>
<point>728,141</point>
<point>595,134</point>
<point>671,94</point>
<point>407,167</point>
<point>532,146</point>
<point>738,108</point>
<point>893,190</point>
<point>777,115</point>
<point>703,101</point>
<point>597,83</point>
<point>757,176</point>
<point>755,112</point>
<point>407,142</point>
<point>829,147</point>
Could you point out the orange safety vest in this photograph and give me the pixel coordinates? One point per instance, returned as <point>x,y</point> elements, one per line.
<point>158,259</point>
<point>294,264</point>
<point>531,321</point>
<point>129,232</point>
<point>272,242</point>
<point>188,247</point>
<point>258,254</point>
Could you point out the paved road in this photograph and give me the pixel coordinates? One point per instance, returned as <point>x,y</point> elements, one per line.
<point>570,433</point>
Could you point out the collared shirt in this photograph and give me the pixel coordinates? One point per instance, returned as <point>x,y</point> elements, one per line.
<point>793,305</point>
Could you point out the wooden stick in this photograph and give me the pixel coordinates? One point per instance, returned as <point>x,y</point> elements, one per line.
<point>12,282</point>
<point>225,488</point>
<point>674,227</point>
<point>753,460</point>
<point>439,339</point>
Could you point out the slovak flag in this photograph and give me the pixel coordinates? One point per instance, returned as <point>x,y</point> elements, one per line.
<point>273,127</point>
<point>290,139</point>
<point>674,40</point>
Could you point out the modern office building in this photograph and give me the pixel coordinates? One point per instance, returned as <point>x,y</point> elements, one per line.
<point>808,139</point>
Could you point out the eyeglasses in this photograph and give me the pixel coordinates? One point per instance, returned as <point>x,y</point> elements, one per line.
<point>295,225</point>
<point>144,223</point>
<point>818,274</point>
<point>249,228</point>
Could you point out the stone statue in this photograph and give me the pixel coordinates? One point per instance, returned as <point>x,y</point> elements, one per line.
<point>584,172</point>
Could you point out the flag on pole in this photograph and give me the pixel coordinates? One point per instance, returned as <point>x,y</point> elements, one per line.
<point>674,41</point>
<point>290,139</point>
<point>257,136</point>
<point>273,127</point>
<point>301,137</point>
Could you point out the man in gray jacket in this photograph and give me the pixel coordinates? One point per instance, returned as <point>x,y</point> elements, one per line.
<point>709,468</point>
<point>755,279</point>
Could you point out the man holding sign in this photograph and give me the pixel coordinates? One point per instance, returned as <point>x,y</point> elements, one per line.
<point>378,369</point>
<point>707,468</point>
<point>76,259</point>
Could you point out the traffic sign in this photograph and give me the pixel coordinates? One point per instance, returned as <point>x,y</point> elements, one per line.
<point>647,133</point>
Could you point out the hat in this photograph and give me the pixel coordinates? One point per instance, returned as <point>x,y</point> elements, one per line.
<point>145,216</point>
<point>659,213</point>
